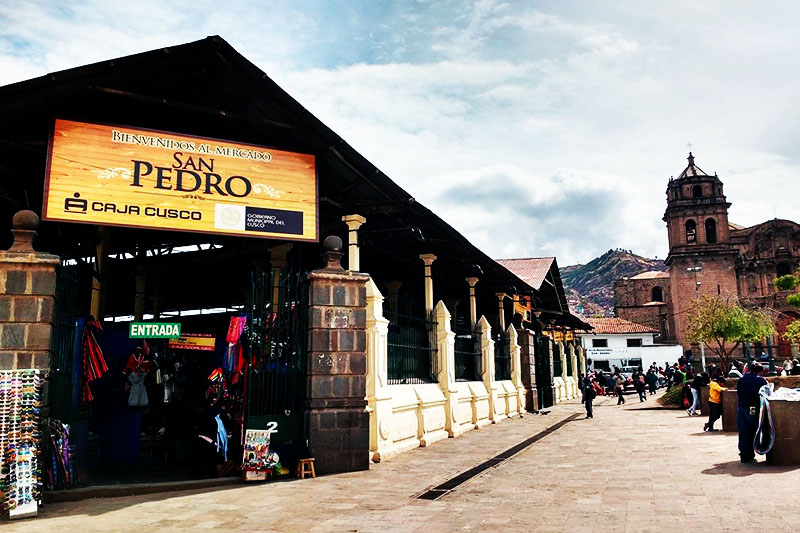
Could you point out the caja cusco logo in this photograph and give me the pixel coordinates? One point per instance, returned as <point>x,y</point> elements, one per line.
<point>77,205</point>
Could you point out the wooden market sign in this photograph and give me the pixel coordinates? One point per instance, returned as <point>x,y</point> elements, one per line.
<point>154,330</point>
<point>120,176</point>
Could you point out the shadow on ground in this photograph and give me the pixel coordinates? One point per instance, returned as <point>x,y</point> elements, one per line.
<point>737,469</point>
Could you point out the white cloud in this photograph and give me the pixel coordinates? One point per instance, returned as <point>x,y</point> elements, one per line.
<point>581,111</point>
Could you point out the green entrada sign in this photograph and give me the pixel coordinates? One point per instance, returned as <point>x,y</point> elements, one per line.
<point>155,330</point>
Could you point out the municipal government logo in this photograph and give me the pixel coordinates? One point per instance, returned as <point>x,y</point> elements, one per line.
<point>229,216</point>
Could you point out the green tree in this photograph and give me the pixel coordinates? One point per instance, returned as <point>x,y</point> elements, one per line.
<point>787,283</point>
<point>723,325</point>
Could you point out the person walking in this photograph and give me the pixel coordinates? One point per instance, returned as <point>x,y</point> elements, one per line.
<point>619,387</point>
<point>747,410</point>
<point>698,382</point>
<point>638,384</point>
<point>714,402</point>
<point>589,394</point>
<point>651,378</point>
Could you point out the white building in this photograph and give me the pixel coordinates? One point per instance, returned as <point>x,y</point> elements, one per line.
<point>615,341</point>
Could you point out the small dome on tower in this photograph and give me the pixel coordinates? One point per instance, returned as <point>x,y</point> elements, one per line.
<point>692,170</point>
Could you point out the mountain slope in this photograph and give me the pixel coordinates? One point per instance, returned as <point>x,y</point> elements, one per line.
<point>592,285</point>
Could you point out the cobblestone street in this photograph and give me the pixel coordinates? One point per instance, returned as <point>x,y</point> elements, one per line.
<point>634,468</point>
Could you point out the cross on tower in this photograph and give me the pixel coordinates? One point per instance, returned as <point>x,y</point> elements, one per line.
<point>690,145</point>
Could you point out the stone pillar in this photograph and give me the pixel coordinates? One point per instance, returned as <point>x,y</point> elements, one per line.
<point>445,352</point>
<point>473,305</point>
<point>428,259</point>
<point>501,314</point>
<point>337,420</point>
<point>27,291</point>
<point>353,223</point>
<point>582,359</point>
<point>378,398</point>
<point>516,372</point>
<point>574,377</point>
<point>526,339</point>
<point>484,332</point>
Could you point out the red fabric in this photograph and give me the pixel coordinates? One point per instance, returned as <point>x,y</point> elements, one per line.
<point>93,362</point>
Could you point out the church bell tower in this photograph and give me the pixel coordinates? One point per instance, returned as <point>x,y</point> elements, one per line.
<point>700,259</point>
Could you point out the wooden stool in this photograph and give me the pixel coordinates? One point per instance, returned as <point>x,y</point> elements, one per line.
<point>302,470</point>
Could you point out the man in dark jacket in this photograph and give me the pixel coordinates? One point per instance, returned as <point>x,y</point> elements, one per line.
<point>747,410</point>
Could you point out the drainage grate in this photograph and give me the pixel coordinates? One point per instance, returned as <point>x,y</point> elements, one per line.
<point>440,490</point>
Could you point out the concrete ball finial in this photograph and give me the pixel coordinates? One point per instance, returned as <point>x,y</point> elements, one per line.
<point>332,243</point>
<point>26,220</point>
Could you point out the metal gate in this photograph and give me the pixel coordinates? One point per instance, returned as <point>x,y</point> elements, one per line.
<point>64,366</point>
<point>277,346</point>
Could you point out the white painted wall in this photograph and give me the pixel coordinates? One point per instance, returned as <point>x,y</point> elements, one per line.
<point>619,353</point>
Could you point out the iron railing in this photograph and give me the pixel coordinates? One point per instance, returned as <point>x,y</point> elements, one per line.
<point>557,368</point>
<point>502,357</point>
<point>411,344</point>
<point>65,362</point>
<point>278,336</point>
<point>467,355</point>
<point>569,365</point>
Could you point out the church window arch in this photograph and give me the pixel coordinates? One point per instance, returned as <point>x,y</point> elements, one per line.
<point>697,191</point>
<point>711,230</point>
<point>691,231</point>
<point>656,295</point>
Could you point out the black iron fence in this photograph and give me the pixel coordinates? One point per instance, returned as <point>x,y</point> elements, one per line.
<point>63,386</point>
<point>278,336</point>
<point>502,357</point>
<point>569,364</point>
<point>467,355</point>
<point>557,368</point>
<point>411,344</point>
<point>544,378</point>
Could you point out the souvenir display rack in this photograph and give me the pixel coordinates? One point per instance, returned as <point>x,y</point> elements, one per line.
<point>20,406</point>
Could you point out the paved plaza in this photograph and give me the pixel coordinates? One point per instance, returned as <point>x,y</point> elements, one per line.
<point>636,468</point>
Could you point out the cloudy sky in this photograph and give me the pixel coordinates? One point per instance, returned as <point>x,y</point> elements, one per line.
<point>535,128</point>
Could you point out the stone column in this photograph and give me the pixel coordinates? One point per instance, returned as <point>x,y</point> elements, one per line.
<point>353,223</point>
<point>378,398</point>
<point>445,351</point>
<point>526,339</point>
<point>473,305</point>
<point>428,259</point>
<point>27,291</point>
<point>484,332</point>
<point>574,362</point>
<point>582,359</point>
<point>516,371</point>
<point>337,420</point>
<point>501,314</point>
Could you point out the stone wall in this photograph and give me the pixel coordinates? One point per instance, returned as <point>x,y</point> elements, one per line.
<point>27,290</point>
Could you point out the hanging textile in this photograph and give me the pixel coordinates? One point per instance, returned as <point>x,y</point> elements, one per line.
<point>233,361</point>
<point>93,363</point>
<point>222,437</point>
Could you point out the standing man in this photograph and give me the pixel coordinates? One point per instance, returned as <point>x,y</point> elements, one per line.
<point>747,410</point>
<point>589,395</point>
<point>652,380</point>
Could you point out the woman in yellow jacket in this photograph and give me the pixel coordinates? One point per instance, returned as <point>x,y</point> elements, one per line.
<point>714,403</point>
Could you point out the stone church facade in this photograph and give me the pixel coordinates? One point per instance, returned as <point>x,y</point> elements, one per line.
<point>710,255</point>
